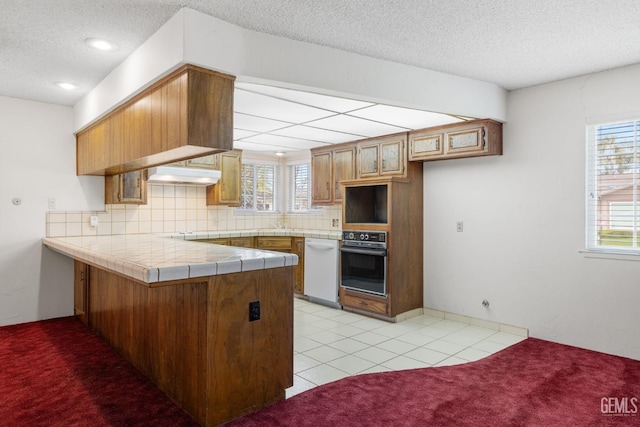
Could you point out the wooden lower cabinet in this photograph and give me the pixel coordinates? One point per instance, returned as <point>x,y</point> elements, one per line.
<point>294,245</point>
<point>194,339</point>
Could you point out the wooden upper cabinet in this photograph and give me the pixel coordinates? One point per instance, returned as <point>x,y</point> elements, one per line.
<point>384,156</point>
<point>468,139</point>
<point>344,168</point>
<point>321,177</point>
<point>228,189</point>
<point>126,188</point>
<point>187,114</point>
<point>329,166</point>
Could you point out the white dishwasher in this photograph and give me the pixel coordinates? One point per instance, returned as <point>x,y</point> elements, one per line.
<point>321,269</point>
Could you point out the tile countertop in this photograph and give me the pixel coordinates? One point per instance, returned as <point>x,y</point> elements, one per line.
<point>294,232</point>
<point>152,259</point>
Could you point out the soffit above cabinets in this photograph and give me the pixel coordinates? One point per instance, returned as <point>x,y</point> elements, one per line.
<point>273,119</point>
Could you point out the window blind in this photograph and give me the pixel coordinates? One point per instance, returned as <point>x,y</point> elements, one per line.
<point>299,188</point>
<point>260,184</point>
<point>613,181</point>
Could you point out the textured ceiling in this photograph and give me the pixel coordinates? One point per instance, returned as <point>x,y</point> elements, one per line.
<point>513,43</point>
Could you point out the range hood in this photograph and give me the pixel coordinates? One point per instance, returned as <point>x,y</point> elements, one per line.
<point>182,175</point>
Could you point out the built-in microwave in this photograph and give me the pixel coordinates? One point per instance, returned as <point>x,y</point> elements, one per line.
<point>365,204</point>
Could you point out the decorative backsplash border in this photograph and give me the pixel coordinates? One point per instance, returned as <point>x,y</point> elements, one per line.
<point>181,208</point>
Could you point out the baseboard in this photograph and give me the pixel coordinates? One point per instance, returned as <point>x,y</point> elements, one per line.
<point>481,323</point>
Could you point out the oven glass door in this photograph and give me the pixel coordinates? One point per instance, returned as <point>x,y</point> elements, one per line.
<point>364,270</point>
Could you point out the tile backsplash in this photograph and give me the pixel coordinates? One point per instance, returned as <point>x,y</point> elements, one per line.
<point>179,208</point>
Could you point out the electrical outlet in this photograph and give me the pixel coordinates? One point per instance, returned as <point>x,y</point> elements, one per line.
<point>459,226</point>
<point>254,311</point>
<point>52,204</point>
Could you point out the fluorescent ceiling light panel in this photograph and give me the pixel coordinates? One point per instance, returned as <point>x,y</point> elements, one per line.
<point>240,133</point>
<point>315,134</point>
<point>404,117</point>
<point>356,125</point>
<point>339,105</point>
<point>272,108</point>
<point>257,124</point>
<point>252,146</point>
<point>282,141</point>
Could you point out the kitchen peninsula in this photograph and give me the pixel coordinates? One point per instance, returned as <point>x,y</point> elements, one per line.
<point>210,325</point>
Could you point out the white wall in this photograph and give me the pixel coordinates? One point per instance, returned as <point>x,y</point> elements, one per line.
<point>196,38</point>
<point>524,222</point>
<point>37,162</point>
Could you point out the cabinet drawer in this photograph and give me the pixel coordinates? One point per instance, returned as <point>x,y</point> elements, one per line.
<point>274,243</point>
<point>363,302</point>
<point>220,241</point>
<point>241,242</point>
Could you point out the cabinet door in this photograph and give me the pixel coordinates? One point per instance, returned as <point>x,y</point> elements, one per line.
<point>227,190</point>
<point>298,270</point>
<point>426,146</point>
<point>205,162</point>
<point>127,188</point>
<point>81,291</point>
<point>344,168</point>
<point>230,165</point>
<point>368,158</point>
<point>321,181</point>
<point>466,141</point>
<point>392,158</point>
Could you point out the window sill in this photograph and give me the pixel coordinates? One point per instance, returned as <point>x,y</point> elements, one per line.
<point>620,256</point>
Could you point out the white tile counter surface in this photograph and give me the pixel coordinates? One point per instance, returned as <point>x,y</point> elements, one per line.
<point>153,259</point>
<point>197,235</point>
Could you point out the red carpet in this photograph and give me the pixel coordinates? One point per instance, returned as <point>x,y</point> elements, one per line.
<point>533,383</point>
<point>57,373</point>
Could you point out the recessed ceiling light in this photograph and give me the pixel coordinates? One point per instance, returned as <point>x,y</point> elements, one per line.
<point>66,86</point>
<point>101,44</point>
<point>279,153</point>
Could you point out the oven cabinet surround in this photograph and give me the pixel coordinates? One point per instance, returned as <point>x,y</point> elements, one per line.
<point>188,113</point>
<point>469,139</point>
<point>329,166</point>
<point>404,247</point>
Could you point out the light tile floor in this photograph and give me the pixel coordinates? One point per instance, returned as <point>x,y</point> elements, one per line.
<point>330,344</point>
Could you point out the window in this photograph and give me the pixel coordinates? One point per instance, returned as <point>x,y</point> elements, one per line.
<point>299,187</point>
<point>259,187</point>
<point>613,187</point>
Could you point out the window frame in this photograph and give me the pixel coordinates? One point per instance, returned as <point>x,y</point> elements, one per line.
<point>277,190</point>
<point>603,155</point>
<point>289,184</point>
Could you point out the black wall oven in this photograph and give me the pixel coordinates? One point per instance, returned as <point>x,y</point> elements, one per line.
<point>364,261</point>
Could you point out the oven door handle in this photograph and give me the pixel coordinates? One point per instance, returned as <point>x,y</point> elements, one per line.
<point>368,251</point>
